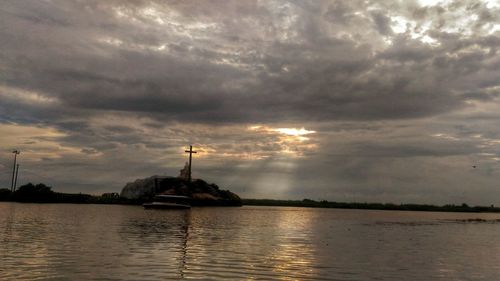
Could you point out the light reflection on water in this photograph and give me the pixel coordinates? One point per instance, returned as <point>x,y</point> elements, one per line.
<point>105,242</point>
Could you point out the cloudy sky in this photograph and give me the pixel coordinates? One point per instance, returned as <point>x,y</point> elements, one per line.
<point>380,101</point>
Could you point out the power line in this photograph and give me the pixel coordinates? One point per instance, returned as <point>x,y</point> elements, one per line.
<point>16,152</point>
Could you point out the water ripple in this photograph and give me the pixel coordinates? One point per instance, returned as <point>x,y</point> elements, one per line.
<point>98,242</point>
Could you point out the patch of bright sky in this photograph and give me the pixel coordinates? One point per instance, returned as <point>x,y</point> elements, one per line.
<point>156,17</point>
<point>462,21</point>
<point>286,131</point>
<point>462,24</point>
<point>434,2</point>
<point>111,41</point>
<point>35,143</point>
<point>132,46</point>
<point>459,21</point>
<point>445,136</point>
<point>401,24</point>
<point>25,96</point>
<point>153,14</point>
<point>494,28</point>
<point>489,3</point>
<point>294,132</point>
<point>285,17</point>
<point>488,146</point>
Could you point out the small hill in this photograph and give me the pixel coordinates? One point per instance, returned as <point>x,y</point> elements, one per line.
<point>201,192</point>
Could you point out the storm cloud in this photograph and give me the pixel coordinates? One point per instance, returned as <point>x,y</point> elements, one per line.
<point>400,98</point>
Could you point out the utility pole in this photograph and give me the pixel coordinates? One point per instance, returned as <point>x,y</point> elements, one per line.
<point>15,181</point>
<point>16,152</point>
<point>190,151</point>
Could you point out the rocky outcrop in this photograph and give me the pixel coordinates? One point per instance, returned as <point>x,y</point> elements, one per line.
<point>140,188</point>
<point>201,192</point>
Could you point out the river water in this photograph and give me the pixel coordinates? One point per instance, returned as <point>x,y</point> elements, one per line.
<point>113,242</point>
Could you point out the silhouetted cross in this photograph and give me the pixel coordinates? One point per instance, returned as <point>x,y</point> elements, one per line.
<point>190,151</point>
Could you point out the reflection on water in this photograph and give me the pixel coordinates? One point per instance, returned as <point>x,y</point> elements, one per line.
<point>100,242</point>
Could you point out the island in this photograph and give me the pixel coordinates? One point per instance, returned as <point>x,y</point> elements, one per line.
<point>200,192</point>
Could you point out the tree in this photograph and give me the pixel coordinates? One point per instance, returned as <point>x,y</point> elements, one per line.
<point>4,194</point>
<point>34,193</point>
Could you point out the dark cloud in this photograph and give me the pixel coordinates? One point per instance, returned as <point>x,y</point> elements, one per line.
<point>119,81</point>
<point>382,23</point>
<point>109,56</point>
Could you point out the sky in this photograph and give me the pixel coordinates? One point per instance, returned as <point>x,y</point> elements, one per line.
<point>368,101</point>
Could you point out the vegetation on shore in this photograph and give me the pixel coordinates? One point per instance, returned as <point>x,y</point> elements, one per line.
<point>370,206</point>
<point>41,193</point>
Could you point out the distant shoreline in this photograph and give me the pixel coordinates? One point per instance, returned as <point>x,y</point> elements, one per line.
<point>308,203</point>
<point>41,193</point>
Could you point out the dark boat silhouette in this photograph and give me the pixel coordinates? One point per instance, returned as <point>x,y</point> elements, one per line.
<point>168,202</point>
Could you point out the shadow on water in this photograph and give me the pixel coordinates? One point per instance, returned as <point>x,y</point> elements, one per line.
<point>160,237</point>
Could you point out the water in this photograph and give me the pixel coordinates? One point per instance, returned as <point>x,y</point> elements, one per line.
<point>107,242</point>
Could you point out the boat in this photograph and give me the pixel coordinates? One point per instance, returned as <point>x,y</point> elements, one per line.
<point>168,202</point>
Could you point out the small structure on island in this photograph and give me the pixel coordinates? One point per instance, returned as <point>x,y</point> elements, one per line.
<point>110,195</point>
<point>184,172</point>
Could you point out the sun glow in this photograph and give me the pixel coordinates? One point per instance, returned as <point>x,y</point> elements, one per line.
<point>291,141</point>
<point>286,131</point>
<point>294,132</point>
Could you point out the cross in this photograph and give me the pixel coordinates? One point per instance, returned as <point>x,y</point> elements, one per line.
<point>190,151</point>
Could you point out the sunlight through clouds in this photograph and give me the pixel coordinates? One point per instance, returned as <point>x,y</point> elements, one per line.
<point>294,132</point>
<point>291,141</point>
